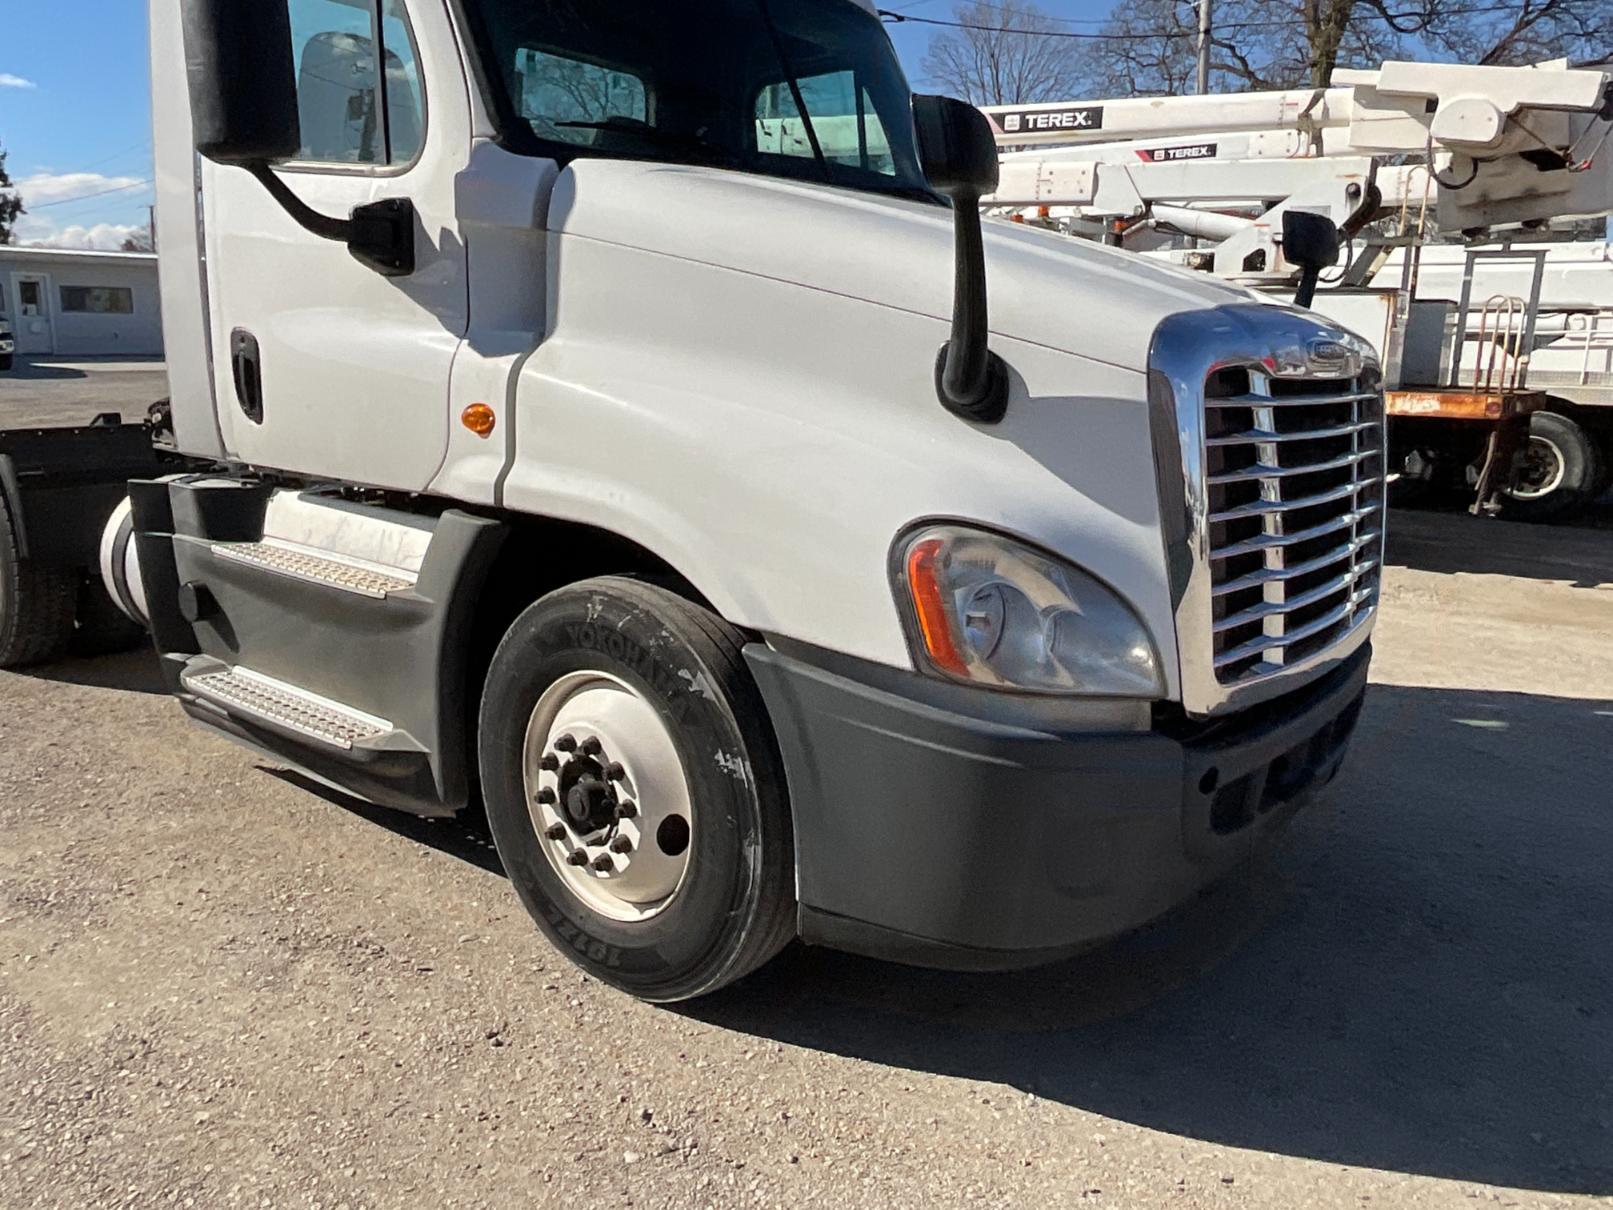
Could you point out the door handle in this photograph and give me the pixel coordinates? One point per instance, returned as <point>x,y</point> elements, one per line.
<point>247,370</point>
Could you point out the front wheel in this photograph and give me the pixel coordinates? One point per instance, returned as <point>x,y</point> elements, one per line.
<point>1558,474</point>
<point>635,791</point>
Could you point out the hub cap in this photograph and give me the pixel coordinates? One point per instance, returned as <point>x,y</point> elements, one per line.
<point>607,795</point>
<point>1541,470</point>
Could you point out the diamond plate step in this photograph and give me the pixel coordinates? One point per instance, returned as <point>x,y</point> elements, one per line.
<point>301,564</point>
<point>243,692</point>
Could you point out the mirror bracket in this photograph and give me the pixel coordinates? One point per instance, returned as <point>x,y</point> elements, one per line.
<point>379,234</point>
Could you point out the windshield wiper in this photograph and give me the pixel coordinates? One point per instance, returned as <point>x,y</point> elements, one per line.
<point>616,124</point>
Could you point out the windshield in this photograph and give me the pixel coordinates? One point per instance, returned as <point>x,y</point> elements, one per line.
<point>807,89</point>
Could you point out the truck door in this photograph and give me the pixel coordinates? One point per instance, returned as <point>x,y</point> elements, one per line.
<point>322,366</point>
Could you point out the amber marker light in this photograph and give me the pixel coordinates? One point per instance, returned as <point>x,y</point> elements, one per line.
<point>479,419</point>
<point>924,582</point>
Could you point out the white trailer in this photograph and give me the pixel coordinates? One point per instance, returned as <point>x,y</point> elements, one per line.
<point>579,429</point>
<point>1431,149</point>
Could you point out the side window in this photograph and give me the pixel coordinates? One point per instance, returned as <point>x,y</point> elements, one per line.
<point>573,101</point>
<point>350,112</point>
<point>97,300</point>
<point>843,117</point>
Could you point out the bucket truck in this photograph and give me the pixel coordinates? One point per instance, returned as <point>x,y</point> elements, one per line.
<point>1422,149</point>
<point>563,419</point>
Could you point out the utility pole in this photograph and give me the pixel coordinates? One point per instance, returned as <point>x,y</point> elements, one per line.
<point>152,211</point>
<point>1203,79</point>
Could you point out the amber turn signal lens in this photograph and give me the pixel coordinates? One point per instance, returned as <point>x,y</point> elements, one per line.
<point>479,419</point>
<point>935,626</point>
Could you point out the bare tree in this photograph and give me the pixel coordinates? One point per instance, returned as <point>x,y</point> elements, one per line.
<point>11,207</point>
<point>987,64</point>
<point>1255,44</point>
<point>1533,31</point>
<point>1291,43</point>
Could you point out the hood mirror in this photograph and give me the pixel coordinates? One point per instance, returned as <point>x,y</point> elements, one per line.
<point>1310,241</point>
<point>959,156</point>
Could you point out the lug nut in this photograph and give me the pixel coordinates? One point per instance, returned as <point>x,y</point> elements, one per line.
<point>550,763</point>
<point>591,746</point>
<point>566,743</point>
<point>577,857</point>
<point>621,845</point>
<point>616,772</point>
<point>604,864</point>
<point>555,831</point>
<point>546,797</point>
<point>627,810</point>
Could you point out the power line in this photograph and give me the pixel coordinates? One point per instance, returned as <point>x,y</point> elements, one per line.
<point>84,197</point>
<point>899,18</point>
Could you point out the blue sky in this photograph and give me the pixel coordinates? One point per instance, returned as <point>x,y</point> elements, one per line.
<point>75,109</point>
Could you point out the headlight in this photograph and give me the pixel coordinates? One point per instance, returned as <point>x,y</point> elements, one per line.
<point>991,611</point>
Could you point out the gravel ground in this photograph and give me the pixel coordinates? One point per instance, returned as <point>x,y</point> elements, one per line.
<point>220,988</point>
<point>61,393</point>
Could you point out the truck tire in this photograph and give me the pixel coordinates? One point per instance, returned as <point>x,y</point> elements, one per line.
<point>37,604</point>
<point>635,791</point>
<point>1561,474</point>
<point>5,362</point>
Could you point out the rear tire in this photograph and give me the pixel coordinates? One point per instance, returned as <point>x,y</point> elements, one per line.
<point>5,362</point>
<point>37,604</point>
<point>1562,473</point>
<point>673,875</point>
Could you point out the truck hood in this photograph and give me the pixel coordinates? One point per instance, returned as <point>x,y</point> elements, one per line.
<point>1045,288</point>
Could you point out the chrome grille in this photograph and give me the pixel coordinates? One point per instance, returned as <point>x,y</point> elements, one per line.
<point>1293,491</point>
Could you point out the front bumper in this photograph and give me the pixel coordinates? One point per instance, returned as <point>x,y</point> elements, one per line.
<point>930,831</point>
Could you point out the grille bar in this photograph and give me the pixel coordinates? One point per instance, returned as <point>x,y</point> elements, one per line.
<point>1322,592</point>
<point>1261,471</point>
<point>1340,430</point>
<point>1264,508</point>
<point>1344,521</point>
<point>1290,401</point>
<point>1280,575</point>
<point>1277,642</point>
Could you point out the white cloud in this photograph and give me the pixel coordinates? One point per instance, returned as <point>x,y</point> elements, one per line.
<point>38,231</point>
<point>7,80</point>
<point>43,188</point>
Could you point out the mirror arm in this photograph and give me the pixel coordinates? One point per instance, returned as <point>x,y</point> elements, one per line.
<point>1305,293</point>
<point>380,234</point>
<point>970,380</point>
<point>310,220</point>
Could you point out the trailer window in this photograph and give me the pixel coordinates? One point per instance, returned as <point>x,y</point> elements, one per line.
<point>350,113</point>
<point>97,300</point>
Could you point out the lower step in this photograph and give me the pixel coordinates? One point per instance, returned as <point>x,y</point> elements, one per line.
<point>242,692</point>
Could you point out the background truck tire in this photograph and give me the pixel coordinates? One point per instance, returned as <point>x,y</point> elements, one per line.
<point>677,669</point>
<point>37,604</point>
<point>1564,472</point>
<point>5,362</point>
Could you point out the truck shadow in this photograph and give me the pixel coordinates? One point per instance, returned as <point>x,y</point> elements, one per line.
<point>1452,541</point>
<point>1418,982</point>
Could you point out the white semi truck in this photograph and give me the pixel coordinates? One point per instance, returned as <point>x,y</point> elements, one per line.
<point>565,434</point>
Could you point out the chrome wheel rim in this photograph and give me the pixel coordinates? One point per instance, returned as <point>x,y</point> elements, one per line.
<point>607,795</point>
<point>1542,471</point>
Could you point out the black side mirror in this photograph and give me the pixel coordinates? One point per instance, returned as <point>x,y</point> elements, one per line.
<point>959,156</point>
<point>1310,241</point>
<point>243,80</point>
<point>242,75</point>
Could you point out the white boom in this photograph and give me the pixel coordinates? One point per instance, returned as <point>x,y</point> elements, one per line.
<point>1499,146</point>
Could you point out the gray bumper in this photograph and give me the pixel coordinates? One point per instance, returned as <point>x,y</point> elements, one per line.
<point>930,833</point>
